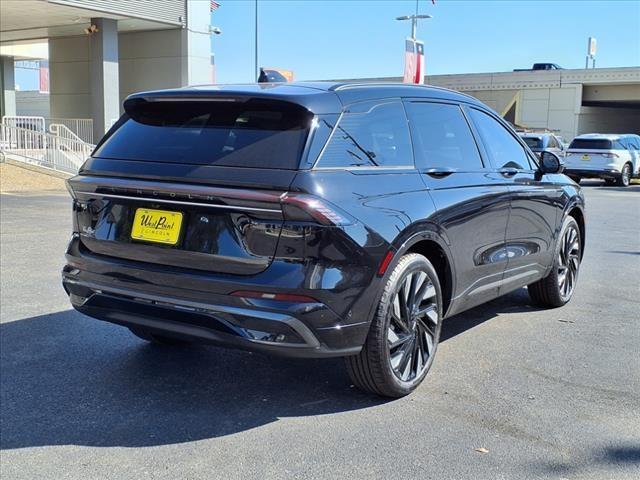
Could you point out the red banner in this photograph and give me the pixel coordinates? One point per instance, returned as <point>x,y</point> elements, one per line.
<point>413,61</point>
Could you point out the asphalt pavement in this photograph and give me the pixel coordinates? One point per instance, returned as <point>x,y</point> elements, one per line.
<point>515,392</point>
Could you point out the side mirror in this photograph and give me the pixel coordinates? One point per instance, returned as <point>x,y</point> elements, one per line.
<point>550,163</point>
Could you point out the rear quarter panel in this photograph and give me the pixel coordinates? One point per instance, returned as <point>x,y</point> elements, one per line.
<point>389,207</point>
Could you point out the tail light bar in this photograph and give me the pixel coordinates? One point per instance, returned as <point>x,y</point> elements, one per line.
<point>283,297</point>
<point>605,154</point>
<point>303,207</point>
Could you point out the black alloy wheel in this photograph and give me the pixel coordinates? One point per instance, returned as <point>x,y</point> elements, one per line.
<point>405,331</point>
<point>557,288</point>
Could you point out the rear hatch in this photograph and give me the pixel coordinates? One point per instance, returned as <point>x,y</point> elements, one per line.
<point>192,183</point>
<point>590,153</point>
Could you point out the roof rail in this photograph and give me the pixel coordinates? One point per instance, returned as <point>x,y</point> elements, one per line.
<point>348,85</point>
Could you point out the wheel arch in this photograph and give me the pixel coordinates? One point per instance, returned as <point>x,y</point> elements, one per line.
<point>435,249</point>
<point>577,213</point>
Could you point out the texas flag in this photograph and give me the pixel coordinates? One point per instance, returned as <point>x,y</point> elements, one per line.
<point>413,61</point>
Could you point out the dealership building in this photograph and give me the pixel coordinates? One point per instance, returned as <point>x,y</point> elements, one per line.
<point>100,51</point>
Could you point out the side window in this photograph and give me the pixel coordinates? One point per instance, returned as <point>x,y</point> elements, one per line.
<point>552,142</point>
<point>442,137</point>
<point>504,149</point>
<point>370,136</point>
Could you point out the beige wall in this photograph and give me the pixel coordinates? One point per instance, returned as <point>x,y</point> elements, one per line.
<point>32,103</point>
<point>69,77</point>
<point>555,108</point>
<point>149,61</point>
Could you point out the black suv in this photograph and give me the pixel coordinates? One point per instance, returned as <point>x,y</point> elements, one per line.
<point>317,220</point>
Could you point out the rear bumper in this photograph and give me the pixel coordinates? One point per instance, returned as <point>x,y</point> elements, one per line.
<point>129,295</point>
<point>605,173</point>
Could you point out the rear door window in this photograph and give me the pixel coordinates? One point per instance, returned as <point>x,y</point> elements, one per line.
<point>503,148</point>
<point>254,133</point>
<point>369,135</point>
<point>442,137</point>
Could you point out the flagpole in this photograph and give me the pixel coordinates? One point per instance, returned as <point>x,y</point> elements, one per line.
<point>255,69</point>
<point>414,23</point>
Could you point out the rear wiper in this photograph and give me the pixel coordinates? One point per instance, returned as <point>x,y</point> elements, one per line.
<point>369,155</point>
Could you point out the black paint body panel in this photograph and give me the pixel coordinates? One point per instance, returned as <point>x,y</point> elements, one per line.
<point>497,233</point>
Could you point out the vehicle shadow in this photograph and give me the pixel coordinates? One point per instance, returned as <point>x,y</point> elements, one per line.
<point>600,185</point>
<point>66,379</point>
<point>619,457</point>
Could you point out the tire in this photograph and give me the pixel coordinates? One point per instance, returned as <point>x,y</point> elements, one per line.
<point>156,339</point>
<point>414,331</point>
<point>625,176</point>
<point>557,288</point>
<point>609,181</point>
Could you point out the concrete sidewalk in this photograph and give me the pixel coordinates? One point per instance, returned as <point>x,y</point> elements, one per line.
<point>14,179</point>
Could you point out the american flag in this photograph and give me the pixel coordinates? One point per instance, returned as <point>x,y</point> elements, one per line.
<point>214,5</point>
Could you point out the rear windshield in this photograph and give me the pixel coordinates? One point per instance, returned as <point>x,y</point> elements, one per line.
<point>591,144</point>
<point>254,133</point>
<point>534,143</point>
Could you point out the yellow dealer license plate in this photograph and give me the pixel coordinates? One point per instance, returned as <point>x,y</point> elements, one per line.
<point>585,158</point>
<point>158,226</point>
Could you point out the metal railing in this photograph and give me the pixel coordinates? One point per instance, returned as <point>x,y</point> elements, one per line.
<point>81,127</point>
<point>36,124</point>
<point>36,147</point>
<point>63,131</point>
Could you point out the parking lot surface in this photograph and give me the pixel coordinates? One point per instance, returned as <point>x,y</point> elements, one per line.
<point>542,394</point>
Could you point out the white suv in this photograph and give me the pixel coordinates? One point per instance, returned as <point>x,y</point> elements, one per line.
<point>614,158</point>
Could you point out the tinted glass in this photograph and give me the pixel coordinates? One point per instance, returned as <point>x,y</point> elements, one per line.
<point>255,133</point>
<point>534,143</point>
<point>442,137</point>
<point>591,144</point>
<point>375,136</point>
<point>504,149</point>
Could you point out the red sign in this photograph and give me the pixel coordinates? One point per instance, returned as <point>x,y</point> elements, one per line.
<point>413,61</point>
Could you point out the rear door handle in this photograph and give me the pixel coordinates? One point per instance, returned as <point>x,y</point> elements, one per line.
<point>439,172</point>
<point>508,172</point>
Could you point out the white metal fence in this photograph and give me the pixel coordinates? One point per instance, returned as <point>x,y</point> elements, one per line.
<point>37,147</point>
<point>37,124</point>
<point>82,128</point>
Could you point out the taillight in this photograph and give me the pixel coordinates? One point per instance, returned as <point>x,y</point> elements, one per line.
<point>282,297</point>
<point>303,207</point>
